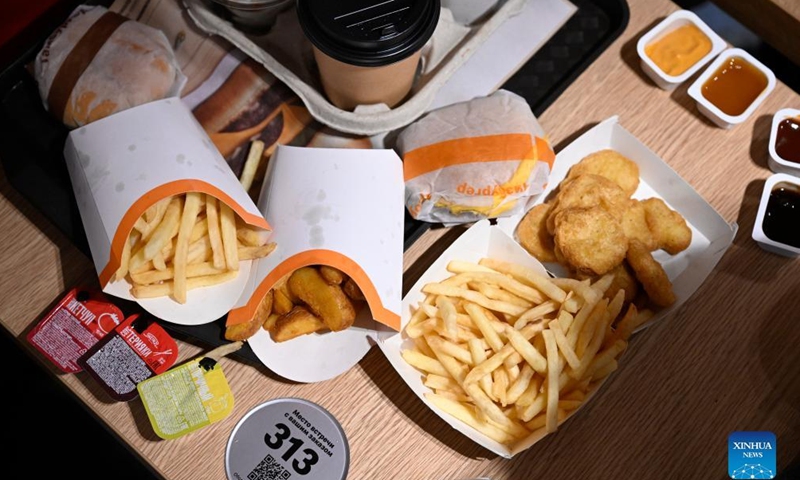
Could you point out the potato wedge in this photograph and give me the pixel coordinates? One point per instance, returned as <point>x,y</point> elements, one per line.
<point>283,286</point>
<point>243,331</point>
<point>326,301</point>
<point>270,321</point>
<point>295,323</point>
<point>351,290</point>
<point>282,305</point>
<point>331,275</point>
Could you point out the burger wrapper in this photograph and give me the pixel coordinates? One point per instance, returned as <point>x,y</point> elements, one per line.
<point>336,207</point>
<point>485,158</point>
<point>98,63</point>
<point>121,165</point>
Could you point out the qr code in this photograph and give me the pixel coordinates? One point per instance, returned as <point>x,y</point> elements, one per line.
<point>269,469</point>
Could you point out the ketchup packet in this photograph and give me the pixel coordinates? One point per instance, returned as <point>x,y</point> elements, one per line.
<point>187,398</point>
<point>137,349</point>
<point>76,324</point>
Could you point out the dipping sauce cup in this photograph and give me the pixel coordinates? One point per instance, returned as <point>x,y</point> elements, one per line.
<point>732,87</point>
<point>677,48</point>
<point>784,142</point>
<point>778,216</point>
<point>367,52</point>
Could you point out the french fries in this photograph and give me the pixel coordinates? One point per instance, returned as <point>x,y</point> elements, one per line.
<point>508,378</point>
<point>230,243</point>
<point>251,164</point>
<point>179,244</point>
<point>214,236</point>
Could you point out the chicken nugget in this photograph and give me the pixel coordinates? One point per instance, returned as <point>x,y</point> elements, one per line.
<point>624,279</point>
<point>559,255</point>
<point>634,224</point>
<point>588,190</point>
<point>611,165</point>
<point>650,274</point>
<point>590,239</point>
<point>324,300</point>
<point>668,227</point>
<point>533,235</point>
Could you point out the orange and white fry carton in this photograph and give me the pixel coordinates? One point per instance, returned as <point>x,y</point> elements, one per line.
<point>123,164</point>
<point>336,207</point>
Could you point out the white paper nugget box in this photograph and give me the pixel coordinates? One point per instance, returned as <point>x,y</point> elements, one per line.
<point>336,207</point>
<point>123,164</point>
<point>711,234</point>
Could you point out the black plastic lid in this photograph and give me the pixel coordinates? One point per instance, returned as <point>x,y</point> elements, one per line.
<point>368,33</point>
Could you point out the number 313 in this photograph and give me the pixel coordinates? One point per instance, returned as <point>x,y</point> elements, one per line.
<point>276,441</point>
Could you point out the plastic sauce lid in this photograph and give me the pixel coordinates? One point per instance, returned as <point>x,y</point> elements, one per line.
<point>368,33</point>
<point>287,438</point>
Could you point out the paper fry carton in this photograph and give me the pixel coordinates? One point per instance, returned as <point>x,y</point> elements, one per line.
<point>480,241</point>
<point>121,165</point>
<point>336,207</point>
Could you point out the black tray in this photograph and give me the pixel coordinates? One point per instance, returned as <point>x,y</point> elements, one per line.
<point>32,142</point>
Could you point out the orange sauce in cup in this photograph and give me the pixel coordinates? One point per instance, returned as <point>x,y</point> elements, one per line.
<point>734,86</point>
<point>677,51</point>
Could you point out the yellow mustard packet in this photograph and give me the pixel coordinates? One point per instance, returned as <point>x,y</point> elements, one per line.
<point>188,397</point>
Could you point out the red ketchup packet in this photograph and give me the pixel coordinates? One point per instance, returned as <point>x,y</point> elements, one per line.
<point>76,324</point>
<point>137,349</point>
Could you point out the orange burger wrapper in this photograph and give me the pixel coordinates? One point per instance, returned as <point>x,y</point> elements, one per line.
<point>484,158</point>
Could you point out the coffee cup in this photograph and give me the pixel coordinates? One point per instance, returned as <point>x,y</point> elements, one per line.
<point>367,51</point>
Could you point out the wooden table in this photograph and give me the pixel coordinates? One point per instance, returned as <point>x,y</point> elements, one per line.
<point>728,360</point>
<point>776,21</point>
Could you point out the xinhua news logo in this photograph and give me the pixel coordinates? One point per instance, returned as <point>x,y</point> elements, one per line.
<point>752,455</point>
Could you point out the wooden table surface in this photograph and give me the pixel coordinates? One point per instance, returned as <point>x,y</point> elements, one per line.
<point>777,22</point>
<point>726,361</point>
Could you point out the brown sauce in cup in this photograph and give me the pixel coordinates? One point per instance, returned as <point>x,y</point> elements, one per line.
<point>787,140</point>
<point>782,216</point>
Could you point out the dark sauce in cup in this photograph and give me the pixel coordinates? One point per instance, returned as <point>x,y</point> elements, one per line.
<point>787,141</point>
<point>782,216</point>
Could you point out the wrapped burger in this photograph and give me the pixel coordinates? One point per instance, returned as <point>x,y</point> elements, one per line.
<point>484,158</point>
<point>99,62</point>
